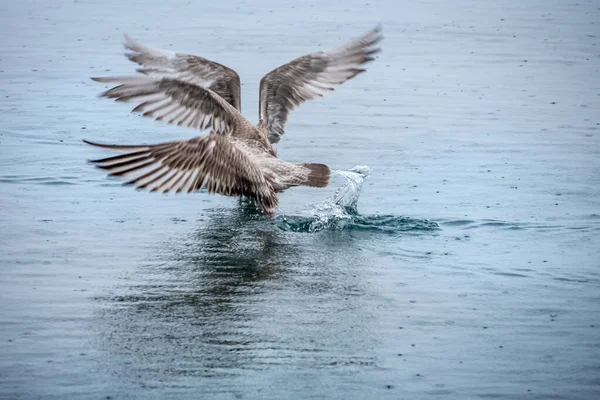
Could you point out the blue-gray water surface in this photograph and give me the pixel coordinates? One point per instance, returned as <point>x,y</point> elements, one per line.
<point>469,269</point>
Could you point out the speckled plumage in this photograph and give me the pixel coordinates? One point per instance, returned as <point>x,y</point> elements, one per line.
<point>236,158</point>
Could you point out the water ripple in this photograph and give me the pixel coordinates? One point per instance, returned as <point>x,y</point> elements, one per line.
<point>380,223</point>
<point>40,180</point>
<point>504,225</point>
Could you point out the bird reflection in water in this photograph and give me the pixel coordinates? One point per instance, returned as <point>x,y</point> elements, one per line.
<point>234,248</point>
<point>197,293</point>
<point>236,294</point>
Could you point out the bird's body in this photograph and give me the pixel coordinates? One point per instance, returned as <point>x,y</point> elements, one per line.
<point>236,158</point>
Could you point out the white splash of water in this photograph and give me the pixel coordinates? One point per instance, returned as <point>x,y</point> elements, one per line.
<point>343,204</point>
<point>340,211</point>
<point>348,194</point>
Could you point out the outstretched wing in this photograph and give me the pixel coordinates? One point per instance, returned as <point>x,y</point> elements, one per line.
<point>188,68</point>
<point>311,76</point>
<point>212,162</point>
<point>180,103</point>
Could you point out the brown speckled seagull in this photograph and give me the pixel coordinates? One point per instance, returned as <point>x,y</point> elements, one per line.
<point>236,158</point>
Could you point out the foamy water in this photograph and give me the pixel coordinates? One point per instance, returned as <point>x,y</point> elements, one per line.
<point>340,211</point>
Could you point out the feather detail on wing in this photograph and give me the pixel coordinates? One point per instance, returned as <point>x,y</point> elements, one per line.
<point>212,162</point>
<point>311,76</point>
<point>188,68</point>
<point>176,102</point>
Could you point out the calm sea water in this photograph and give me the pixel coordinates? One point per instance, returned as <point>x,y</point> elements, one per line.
<point>471,268</point>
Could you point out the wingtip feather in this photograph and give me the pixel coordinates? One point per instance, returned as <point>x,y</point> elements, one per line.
<point>116,146</point>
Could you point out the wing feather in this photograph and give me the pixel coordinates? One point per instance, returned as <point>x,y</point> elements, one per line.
<point>212,162</point>
<point>177,102</point>
<point>190,68</point>
<point>309,77</point>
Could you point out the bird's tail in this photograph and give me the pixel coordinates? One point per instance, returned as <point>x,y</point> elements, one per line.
<point>318,176</point>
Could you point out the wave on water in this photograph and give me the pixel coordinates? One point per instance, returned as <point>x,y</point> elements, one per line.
<point>340,212</point>
<point>39,180</point>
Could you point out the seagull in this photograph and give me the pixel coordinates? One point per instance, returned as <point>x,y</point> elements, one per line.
<point>236,158</point>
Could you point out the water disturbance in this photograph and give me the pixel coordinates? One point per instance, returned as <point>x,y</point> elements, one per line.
<point>340,212</point>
